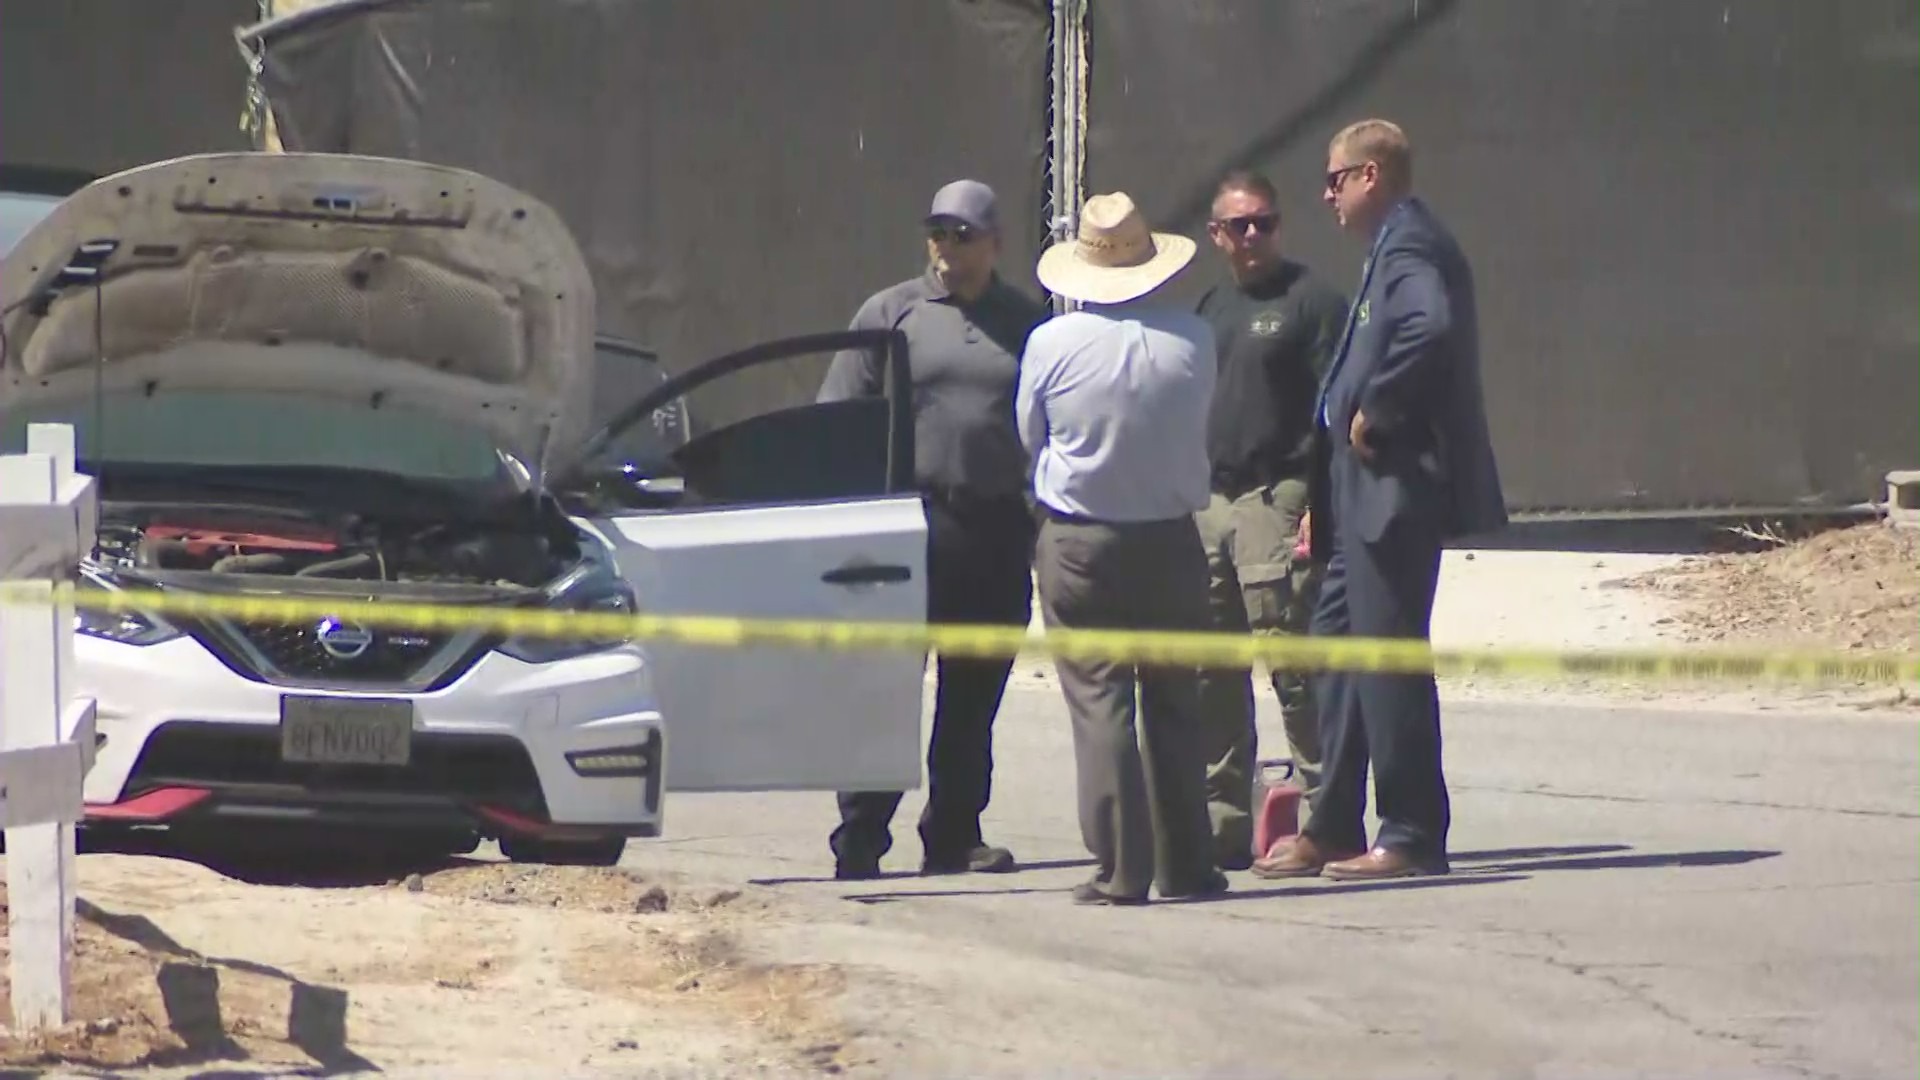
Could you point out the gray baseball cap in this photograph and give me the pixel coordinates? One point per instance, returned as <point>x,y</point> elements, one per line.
<point>966,200</point>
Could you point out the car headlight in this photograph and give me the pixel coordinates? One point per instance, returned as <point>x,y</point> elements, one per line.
<point>592,587</point>
<point>124,627</point>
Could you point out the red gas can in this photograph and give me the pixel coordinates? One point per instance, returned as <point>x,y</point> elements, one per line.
<point>1277,820</point>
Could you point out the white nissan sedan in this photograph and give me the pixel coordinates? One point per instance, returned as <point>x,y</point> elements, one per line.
<point>335,377</point>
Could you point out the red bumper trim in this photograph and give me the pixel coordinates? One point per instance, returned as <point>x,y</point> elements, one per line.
<point>521,825</point>
<point>156,805</point>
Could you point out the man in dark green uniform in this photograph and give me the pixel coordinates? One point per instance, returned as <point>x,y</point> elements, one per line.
<point>1277,326</point>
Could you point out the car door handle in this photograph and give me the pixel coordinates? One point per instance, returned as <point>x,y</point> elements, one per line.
<point>867,574</point>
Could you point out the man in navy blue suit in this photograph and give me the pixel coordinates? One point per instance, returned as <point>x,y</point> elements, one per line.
<point>1404,463</point>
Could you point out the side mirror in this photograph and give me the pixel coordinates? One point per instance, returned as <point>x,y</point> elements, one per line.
<point>617,489</point>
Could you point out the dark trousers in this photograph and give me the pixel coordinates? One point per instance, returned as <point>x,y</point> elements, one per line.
<point>1142,776</point>
<point>979,570</point>
<point>1389,721</point>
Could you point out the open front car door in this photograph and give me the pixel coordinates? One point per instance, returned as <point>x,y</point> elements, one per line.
<point>807,513</point>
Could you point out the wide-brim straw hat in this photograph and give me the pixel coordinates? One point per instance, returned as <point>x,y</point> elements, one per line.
<point>1115,257</point>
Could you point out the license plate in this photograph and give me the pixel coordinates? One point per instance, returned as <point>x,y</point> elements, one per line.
<point>346,731</point>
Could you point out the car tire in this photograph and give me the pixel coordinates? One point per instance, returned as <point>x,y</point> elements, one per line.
<point>602,852</point>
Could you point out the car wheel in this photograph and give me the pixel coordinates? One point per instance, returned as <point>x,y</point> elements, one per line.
<point>602,852</point>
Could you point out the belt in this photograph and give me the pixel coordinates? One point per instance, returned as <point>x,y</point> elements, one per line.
<point>1235,482</point>
<point>1065,518</point>
<point>954,495</point>
<point>1232,485</point>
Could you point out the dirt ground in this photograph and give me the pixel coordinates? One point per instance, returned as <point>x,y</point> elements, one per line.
<point>476,965</point>
<point>1854,589</point>
<point>1850,589</point>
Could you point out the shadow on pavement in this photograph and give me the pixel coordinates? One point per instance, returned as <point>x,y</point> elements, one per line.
<point>902,875</point>
<point>1326,889</point>
<point>1483,868</point>
<point>1652,861</point>
<point>1504,854</point>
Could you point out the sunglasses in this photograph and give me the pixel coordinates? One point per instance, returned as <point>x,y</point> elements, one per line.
<point>1336,179</point>
<point>1260,223</point>
<point>959,233</point>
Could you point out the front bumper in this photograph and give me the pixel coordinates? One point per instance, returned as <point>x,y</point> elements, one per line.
<point>183,738</point>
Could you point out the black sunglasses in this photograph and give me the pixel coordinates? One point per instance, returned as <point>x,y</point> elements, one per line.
<point>959,232</point>
<point>1335,177</point>
<point>1260,223</point>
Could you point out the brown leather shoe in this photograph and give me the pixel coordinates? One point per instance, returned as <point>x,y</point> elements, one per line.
<point>1380,864</point>
<point>1302,858</point>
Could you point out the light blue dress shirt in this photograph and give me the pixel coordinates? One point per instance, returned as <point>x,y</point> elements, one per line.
<point>1112,406</point>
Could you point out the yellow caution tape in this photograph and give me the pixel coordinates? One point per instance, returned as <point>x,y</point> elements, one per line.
<point>1187,649</point>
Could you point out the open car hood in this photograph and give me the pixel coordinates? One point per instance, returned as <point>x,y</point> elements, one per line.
<point>379,283</point>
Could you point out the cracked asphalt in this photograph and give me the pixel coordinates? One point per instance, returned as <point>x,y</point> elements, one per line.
<point>1636,893</point>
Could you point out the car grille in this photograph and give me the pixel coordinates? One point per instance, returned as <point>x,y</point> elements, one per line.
<point>296,650</point>
<point>295,654</point>
<point>490,769</point>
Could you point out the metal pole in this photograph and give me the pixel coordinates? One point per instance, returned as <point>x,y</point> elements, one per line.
<point>1069,134</point>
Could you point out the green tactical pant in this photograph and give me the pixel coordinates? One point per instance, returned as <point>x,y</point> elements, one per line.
<point>1259,586</point>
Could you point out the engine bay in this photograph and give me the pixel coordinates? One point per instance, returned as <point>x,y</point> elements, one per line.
<point>346,547</point>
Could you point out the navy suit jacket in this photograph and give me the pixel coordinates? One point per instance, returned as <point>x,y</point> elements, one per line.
<point>1411,362</point>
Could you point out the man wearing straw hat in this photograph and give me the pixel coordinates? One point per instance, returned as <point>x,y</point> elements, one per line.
<point>1112,404</point>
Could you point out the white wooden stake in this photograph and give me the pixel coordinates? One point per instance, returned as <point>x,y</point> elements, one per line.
<point>45,737</point>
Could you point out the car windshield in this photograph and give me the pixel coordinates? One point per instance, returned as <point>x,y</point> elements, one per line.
<point>262,432</point>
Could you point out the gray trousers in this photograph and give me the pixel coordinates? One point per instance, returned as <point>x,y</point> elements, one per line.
<point>1142,775</point>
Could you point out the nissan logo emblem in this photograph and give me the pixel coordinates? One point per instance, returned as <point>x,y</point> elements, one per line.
<point>343,641</point>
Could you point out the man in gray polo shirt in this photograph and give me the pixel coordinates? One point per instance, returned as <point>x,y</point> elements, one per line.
<point>966,329</point>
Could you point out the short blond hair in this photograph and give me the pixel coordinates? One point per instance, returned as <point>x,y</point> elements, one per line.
<point>1381,142</point>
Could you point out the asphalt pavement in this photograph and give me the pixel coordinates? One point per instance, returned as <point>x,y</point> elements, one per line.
<point>1635,893</point>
